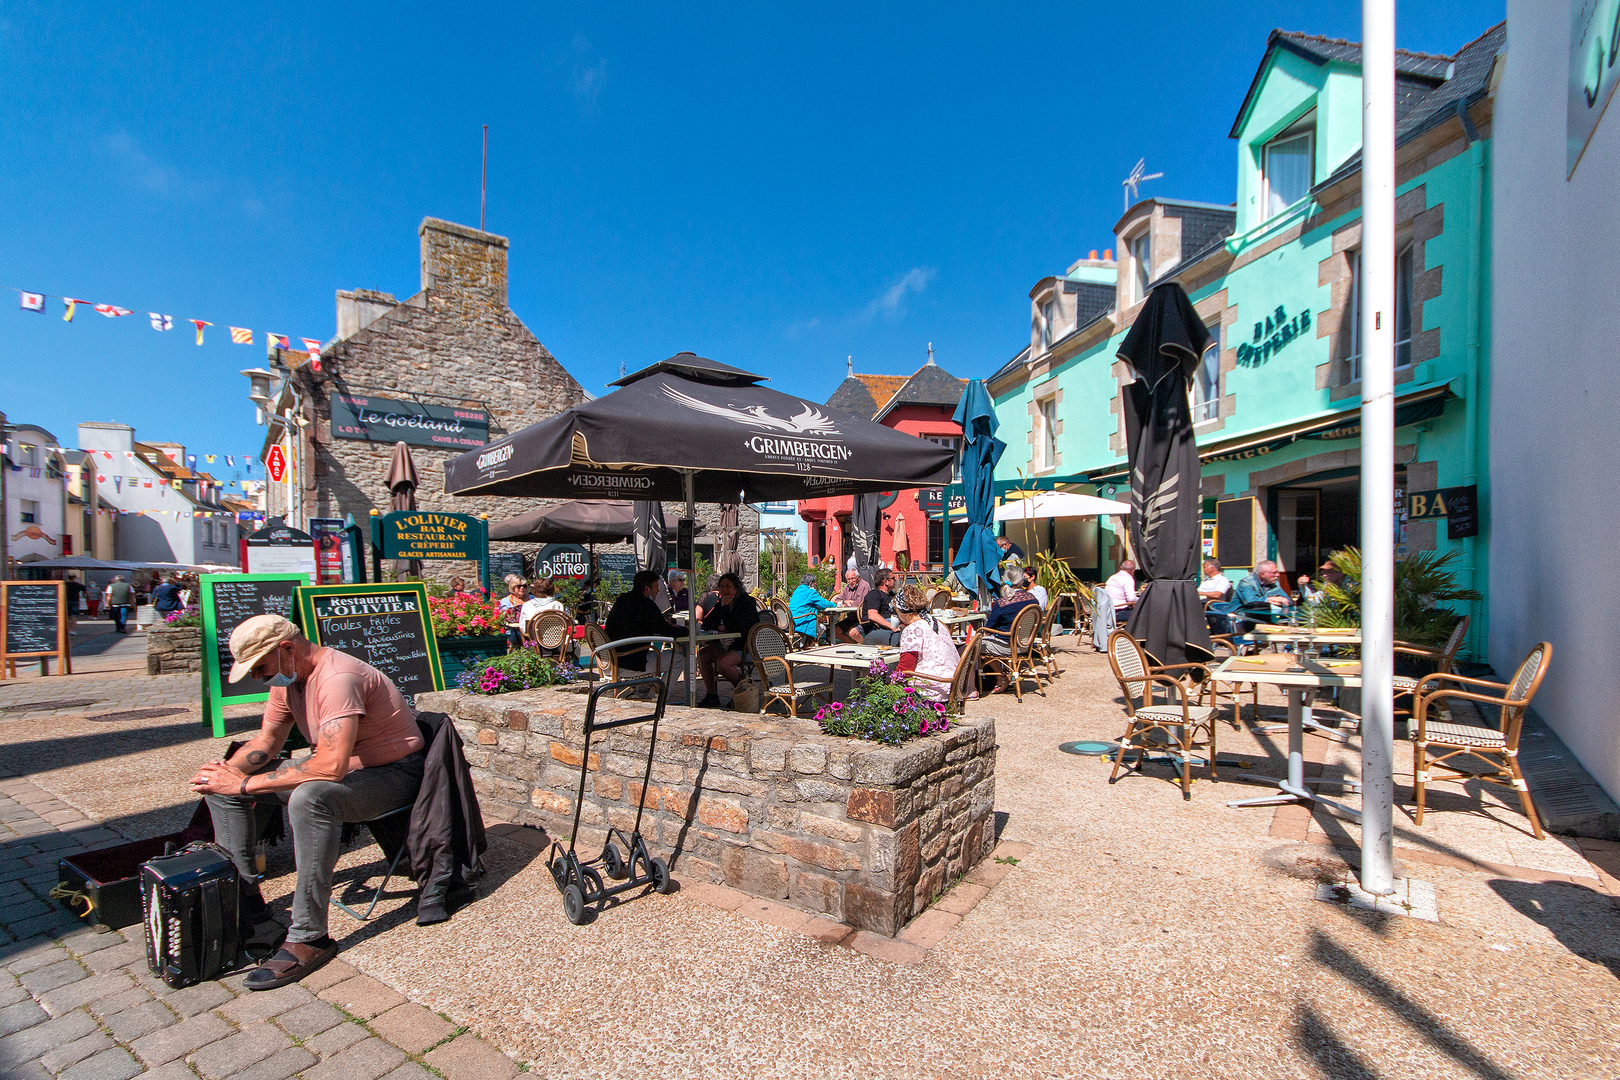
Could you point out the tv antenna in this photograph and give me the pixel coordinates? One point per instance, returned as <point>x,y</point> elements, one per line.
<point>1134,182</point>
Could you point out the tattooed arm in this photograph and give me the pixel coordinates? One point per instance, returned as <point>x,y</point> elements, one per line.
<point>334,746</point>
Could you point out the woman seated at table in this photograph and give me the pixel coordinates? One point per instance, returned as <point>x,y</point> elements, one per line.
<point>735,612</point>
<point>517,592</point>
<point>877,613</point>
<point>544,599</point>
<point>925,643</point>
<point>805,604</point>
<point>1014,598</point>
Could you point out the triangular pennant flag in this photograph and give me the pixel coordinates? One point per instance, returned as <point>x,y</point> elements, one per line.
<point>100,479</point>
<point>111,311</point>
<point>230,461</point>
<point>240,336</point>
<point>313,346</point>
<point>191,459</point>
<point>70,303</point>
<point>161,322</point>
<point>32,301</point>
<point>199,324</point>
<point>278,340</point>
<point>209,458</point>
<point>118,484</point>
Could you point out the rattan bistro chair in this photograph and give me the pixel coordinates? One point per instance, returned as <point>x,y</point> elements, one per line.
<point>1233,691</point>
<point>595,638</point>
<point>551,630</point>
<point>964,683</point>
<point>1045,649</point>
<point>1178,721</point>
<point>941,600</point>
<point>1444,658</point>
<point>769,651</point>
<point>1020,661</point>
<point>1497,747</point>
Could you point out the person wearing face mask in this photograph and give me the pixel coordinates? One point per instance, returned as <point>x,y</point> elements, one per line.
<point>367,760</point>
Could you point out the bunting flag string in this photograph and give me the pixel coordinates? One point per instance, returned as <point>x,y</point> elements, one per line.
<point>35,302</point>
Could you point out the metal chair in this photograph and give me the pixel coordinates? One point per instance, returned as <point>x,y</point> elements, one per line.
<point>1178,722</point>
<point>1020,658</point>
<point>1497,748</point>
<point>963,683</point>
<point>383,836</point>
<point>775,674</point>
<point>610,654</point>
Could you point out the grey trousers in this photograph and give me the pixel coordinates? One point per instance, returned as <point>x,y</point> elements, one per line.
<point>317,810</point>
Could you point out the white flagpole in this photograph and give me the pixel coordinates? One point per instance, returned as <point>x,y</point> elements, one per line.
<point>1377,334</point>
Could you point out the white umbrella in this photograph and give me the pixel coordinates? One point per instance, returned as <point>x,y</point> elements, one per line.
<point>1059,504</point>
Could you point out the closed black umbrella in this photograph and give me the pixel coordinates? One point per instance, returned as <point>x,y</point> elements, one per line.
<point>401,481</point>
<point>1163,349</point>
<point>864,535</point>
<point>651,536</point>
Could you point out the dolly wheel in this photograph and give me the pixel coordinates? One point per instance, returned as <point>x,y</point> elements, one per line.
<point>661,880</point>
<point>593,884</point>
<point>574,905</point>
<point>614,863</point>
<point>559,871</point>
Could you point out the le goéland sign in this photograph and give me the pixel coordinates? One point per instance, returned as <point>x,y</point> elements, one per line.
<point>387,626</point>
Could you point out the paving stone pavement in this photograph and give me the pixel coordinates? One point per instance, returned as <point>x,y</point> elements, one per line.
<point>78,1005</point>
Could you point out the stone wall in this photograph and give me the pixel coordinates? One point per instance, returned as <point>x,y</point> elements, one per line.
<point>865,834</point>
<point>172,649</point>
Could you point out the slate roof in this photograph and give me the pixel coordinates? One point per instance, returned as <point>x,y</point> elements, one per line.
<point>928,385</point>
<point>861,394</point>
<point>1091,299</point>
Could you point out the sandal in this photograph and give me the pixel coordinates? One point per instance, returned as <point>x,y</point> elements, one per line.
<point>292,962</point>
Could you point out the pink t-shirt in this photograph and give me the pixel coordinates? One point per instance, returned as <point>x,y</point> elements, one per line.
<point>341,686</point>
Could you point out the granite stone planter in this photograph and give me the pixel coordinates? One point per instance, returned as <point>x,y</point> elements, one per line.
<point>173,649</point>
<point>860,832</point>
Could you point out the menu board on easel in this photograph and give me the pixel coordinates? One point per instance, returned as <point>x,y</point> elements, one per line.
<point>227,601</point>
<point>33,625</point>
<point>385,625</point>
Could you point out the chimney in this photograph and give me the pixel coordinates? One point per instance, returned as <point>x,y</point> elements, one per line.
<point>358,309</point>
<point>1092,257</point>
<point>1108,255</point>
<point>460,261</point>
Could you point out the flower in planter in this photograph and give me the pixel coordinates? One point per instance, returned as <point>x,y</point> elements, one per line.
<point>884,709</point>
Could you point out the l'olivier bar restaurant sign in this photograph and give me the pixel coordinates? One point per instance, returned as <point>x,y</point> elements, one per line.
<point>423,534</point>
<point>375,419</point>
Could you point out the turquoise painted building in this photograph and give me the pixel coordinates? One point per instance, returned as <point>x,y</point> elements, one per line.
<point>1274,275</point>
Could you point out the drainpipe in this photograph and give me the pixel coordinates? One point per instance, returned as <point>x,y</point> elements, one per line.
<point>1476,315</point>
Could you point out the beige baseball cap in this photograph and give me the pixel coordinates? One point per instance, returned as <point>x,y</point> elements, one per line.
<point>254,638</point>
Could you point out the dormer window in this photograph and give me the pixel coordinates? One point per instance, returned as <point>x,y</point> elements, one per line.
<point>1287,166</point>
<point>1049,316</point>
<point>1140,247</point>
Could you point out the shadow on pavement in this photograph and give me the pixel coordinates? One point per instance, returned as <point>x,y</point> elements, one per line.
<point>1569,911</point>
<point>27,756</point>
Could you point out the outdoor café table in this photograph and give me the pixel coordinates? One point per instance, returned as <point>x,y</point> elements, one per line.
<point>1278,634</point>
<point>847,656</point>
<point>961,619</point>
<point>830,615</point>
<point>1296,676</point>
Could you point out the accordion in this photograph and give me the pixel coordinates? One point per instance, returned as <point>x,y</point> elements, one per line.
<point>190,902</point>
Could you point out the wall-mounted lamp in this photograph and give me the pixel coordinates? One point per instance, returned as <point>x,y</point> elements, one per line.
<point>259,386</point>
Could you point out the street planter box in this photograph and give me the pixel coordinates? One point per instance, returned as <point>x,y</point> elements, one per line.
<point>863,833</point>
<point>457,654</point>
<point>171,649</point>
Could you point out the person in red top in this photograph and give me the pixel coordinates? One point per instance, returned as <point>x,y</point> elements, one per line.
<point>367,760</point>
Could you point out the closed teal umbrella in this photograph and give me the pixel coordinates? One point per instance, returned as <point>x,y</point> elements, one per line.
<point>978,559</point>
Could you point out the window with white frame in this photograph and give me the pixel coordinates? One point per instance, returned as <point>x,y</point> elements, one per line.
<point>1048,435</point>
<point>955,445</point>
<point>1206,386</point>
<point>29,511</point>
<point>1403,310</point>
<point>1049,316</point>
<point>1141,248</point>
<point>1287,166</point>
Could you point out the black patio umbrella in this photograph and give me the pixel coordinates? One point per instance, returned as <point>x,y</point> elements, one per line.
<point>401,481</point>
<point>691,428</point>
<point>582,521</point>
<point>865,517</point>
<point>1163,349</point>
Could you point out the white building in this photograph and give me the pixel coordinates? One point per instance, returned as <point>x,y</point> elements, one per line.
<point>36,497</point>
<point>168,513</point>
<point>1554,460</point>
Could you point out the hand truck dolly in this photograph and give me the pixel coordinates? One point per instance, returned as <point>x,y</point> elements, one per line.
<point>579,880</point>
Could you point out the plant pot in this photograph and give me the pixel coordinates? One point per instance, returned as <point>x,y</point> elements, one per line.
<point>457,654</point>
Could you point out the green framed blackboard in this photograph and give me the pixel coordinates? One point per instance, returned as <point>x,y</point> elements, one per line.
<point>227,601</point>
<point>385,625</point>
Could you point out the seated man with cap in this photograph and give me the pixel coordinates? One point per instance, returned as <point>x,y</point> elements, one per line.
<point>367,761</point>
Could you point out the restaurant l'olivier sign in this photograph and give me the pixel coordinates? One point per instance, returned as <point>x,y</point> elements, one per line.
<point>375,419</point>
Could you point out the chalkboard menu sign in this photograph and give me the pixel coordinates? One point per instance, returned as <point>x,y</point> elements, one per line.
<point>502,563</point>
<point>33,623</point>
<point>227,601</point>
<point>622,563</point>
<point>387,626</point>
<point>1234,531</point>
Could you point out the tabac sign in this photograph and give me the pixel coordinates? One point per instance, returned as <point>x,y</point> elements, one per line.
<point>429,534</point>
<point>377,419</point>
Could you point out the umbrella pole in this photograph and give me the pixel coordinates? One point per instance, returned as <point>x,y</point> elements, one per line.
<point>691,602</point>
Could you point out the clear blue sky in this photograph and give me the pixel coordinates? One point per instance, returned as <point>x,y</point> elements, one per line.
<point>773,187</point>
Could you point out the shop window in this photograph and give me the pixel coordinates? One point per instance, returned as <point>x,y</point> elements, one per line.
<point>955,446</point>
<point>1287,165</point>
<point>1048,434</point>
<point>936,539</point>
<point>1403,310</point>
<point>29,512</point>
<point>1206,387</point>
<point>1141,248</point>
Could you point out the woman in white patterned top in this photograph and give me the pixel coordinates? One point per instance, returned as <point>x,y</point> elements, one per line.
<point>925,643</point>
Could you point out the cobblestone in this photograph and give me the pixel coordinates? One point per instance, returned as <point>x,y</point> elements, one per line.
<point>279,1066</point>
<point>181,1039</point>
<point>112,1064</point>
<point>60,1057</point>
<point>232,1055</point>
<point>139,1021</point>
<point>308,1021</point>
<point>337,1039</point>
<point>366,1060</point>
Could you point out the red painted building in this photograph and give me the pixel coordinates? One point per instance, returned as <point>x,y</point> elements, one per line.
<point>919,405</point>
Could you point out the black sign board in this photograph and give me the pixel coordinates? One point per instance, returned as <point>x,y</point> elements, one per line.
<point>278,548</point>
<point>683,544</point>
<point>1234,531</point>
<point>930,500</point>
<point>622,563</point>
<point>1458,505</point>
<point>34,622</point>
<point>502,563</point>
<point>227,601</point>
<point>387,420</point>
<point>387,626</point>
<point>562,560</point>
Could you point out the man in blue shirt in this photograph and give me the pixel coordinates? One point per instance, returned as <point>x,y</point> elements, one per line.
<point>804,604</point>
<point>1260,598</point>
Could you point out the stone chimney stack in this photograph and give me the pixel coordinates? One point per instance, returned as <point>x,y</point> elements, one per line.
<point>463,263</point>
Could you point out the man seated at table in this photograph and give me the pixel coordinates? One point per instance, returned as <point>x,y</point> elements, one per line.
<point>851,596</point>
<point>1009,550</point>
<point>1326,574</point>
<point>367,761</point>
<point>1260,596</point>
<point>1215,585</point>
<point>804,605</point>
<point>636,614</point>
<point>1122,589</point>
<point>1014,598</point>
<point>878,626</point>
<point>735,612</point>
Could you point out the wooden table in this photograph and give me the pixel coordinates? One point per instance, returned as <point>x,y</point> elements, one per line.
<point>1296,677</point>
<point>1270,634</point>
